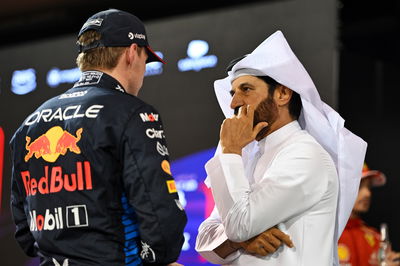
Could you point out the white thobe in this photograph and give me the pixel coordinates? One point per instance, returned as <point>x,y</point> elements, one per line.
<point>293,184</point>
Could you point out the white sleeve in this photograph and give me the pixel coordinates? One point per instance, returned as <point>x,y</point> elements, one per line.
<point>295,181</point>
<point>211,235</point>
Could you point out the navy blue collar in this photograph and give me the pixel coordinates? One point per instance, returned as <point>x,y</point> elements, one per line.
<point>98,79</point>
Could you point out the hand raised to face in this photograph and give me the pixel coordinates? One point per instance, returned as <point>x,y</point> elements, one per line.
<point>238,131</point>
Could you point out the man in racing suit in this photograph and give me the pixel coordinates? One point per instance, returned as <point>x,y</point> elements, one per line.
<point>359,243</point>
<point>91,181</point>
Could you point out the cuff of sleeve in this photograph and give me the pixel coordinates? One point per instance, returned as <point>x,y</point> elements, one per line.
<point>212,257</point>
<point>209,238</point>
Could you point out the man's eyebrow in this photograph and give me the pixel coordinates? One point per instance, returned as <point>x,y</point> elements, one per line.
<point>245,84</point>
<point>241,85</point>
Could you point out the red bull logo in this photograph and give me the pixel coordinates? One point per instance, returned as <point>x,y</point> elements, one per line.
<point>52,144</point>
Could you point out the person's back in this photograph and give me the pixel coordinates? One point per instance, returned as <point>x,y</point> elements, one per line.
<point>91,180</point>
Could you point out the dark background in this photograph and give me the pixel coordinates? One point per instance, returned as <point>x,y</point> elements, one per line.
<point>364,88</point>
<point>369,94</point>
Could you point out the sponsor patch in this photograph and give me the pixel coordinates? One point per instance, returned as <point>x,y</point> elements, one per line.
<point>89,78</point>
<point>77,216</point>
<point>149,117</point>
<point>343,252</point>
<point>54,180</point>
<point>154,133</point>
<point>166,167</point>
<point>58,218</point>
<point>119,88</point>
<point>179,204</point>
<point>162,149</point>
<point>52,144</point>
<point>64,263</point>
<point>72,95</point>
<point>171,186</point>
<point>147,253</point>
<point>93,21</point>
<point>370,239</point>
<point>132,36</point>
<point>63,113</point>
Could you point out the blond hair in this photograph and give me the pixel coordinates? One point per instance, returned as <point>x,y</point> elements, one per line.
<point>97,58</point>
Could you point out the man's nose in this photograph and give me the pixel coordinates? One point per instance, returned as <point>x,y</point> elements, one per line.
<point>366,191</point>
<point>236,101</point>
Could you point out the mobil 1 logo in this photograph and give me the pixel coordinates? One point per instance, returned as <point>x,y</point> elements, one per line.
<point>76,216</point>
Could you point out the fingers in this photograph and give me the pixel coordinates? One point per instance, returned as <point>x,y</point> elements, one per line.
<point>258,128</point>
<point>267,245</point>
<point>243,110</point>
<point>250,111</point>
<point>270,238</point>
<point>246,110</point>
<point>267,242</point>
<point>256,248</point>
<point>393,258</point>
<point>282,237</point>
<point>261,246</point>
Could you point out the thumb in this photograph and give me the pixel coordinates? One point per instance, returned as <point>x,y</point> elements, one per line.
<point>258,128</point>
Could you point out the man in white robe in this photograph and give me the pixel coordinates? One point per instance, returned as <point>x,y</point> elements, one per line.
<point>278,167</point>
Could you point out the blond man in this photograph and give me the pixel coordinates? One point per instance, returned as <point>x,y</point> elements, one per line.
<point>91,180</point>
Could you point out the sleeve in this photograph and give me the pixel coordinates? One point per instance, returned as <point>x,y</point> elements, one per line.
<point>151,189</point>
<point>23,234</point>
<point>211,235</point>
<point>295,181</point>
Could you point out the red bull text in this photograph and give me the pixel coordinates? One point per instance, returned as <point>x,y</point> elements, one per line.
<point>54,180</point>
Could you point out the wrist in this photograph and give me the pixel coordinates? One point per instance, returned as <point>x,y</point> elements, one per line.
<point>234,245</point>
<point>232,150</point>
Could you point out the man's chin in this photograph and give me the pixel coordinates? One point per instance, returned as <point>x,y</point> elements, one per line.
<point>361,211</point>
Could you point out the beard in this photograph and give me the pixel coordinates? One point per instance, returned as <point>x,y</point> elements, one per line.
<point>266,111</point>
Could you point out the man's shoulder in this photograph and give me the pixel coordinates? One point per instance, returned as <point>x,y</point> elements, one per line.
<point>88,102</point>
<point>302,145</point>
<point>112,99</point>
<point>90,93</point>
<point>369,229</point>
<point>301,140</point>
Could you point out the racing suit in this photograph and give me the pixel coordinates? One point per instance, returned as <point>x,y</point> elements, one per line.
<point>91,182</point>
<point>358,244</point>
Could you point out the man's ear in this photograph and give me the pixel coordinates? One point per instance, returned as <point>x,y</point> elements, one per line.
<point>131,53</point>
<point>282,95</point>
